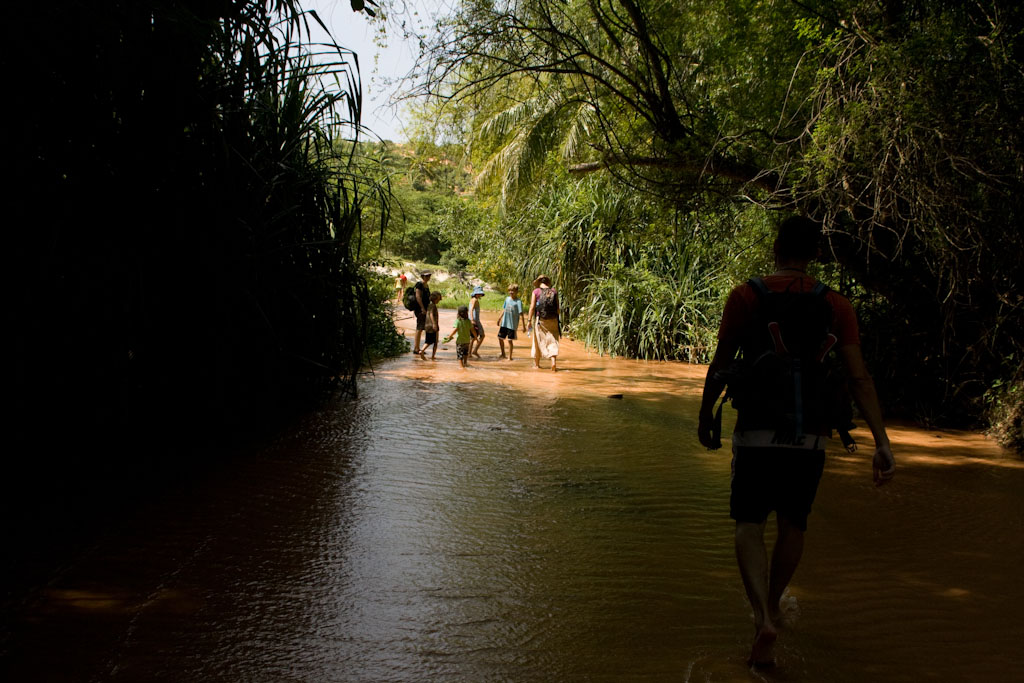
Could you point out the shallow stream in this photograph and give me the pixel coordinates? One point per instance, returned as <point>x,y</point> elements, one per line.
<point>509,524</point>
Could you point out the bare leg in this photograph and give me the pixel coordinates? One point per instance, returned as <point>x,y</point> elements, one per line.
<point>553,365</point>
<point>510,345</point>
<point>789,547</point>
<point>501,343</point>
<point>416,346</point>
<point>753,562</point>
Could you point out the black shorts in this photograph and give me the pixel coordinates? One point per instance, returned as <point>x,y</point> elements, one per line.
<point>781,479</point>
<point>421,320</point>
<point>431,338</point>
<point>506,333</point>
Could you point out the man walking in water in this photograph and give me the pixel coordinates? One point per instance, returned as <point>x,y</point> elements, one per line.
<point>422,292</point>
<point>785,324</point>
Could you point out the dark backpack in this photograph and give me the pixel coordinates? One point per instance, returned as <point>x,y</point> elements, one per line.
<point>409,299</point>
<point>546,305</point>
<point>786,380</point>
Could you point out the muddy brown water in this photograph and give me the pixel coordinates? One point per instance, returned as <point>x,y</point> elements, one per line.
<point>509,524</point>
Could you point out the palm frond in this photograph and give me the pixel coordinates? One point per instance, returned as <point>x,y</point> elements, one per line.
<point>583,124</point>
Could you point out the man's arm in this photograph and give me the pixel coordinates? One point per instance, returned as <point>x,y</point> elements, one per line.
<point>713,388</point>
<point>862,389</point>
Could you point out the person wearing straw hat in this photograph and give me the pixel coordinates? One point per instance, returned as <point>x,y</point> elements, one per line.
<point>474,316</point>
<point>544,318</point>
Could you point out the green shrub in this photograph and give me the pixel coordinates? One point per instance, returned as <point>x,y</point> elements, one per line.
<point>1006,414</point>
<point>383,340</point>
<point>459,296</point>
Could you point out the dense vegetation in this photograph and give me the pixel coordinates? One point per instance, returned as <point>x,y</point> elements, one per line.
<point>425,182</point>
<point>642,152</point>
<point>182,228</point>
<point>188,227</point>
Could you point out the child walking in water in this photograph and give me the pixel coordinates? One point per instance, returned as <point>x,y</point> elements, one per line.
<point>464,334</point>
<point>474,315</point>
<point>431,327</point>
<point>511,316</point>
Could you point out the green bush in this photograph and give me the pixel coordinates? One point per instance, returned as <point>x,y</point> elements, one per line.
<point>459,296</point>
<point>422,243</point>
<point>1006,414</point>
<point>454,262</point>
<point>383,340</point>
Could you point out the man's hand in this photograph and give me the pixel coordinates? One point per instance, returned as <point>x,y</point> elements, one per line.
<point>883,465</point>
<point>705,430</point>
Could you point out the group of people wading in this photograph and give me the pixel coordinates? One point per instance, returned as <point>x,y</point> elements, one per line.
<point>542,323</point>
<point>775,340</point>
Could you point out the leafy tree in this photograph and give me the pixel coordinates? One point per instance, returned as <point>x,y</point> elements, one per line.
<point>421,181</point>
<point>896,123</point>
<point>913,153</point>
<point>661,91</point>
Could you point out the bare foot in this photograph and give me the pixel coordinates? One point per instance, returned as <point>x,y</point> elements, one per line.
<point>501,356</point>
<point>761,654</point>
<point>785,613</point>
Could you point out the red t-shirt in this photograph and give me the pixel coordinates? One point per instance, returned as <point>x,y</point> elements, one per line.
<point>742,300</point>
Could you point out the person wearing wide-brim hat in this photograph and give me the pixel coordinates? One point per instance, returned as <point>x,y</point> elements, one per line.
<point>545,311</point>
<point>474,316</point>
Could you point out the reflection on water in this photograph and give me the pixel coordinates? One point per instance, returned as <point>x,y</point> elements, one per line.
<point>503,523</point>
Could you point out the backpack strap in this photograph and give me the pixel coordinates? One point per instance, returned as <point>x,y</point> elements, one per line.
<point>716,426</point>
<point>763,292</point>
<point>759,286</point>
<point>819,289</point>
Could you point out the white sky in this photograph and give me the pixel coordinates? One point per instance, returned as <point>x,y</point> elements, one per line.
<point>356,31</point>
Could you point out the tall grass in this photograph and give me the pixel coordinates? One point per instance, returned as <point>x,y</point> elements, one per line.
<point>185,252</point>
<point>639,312</point>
